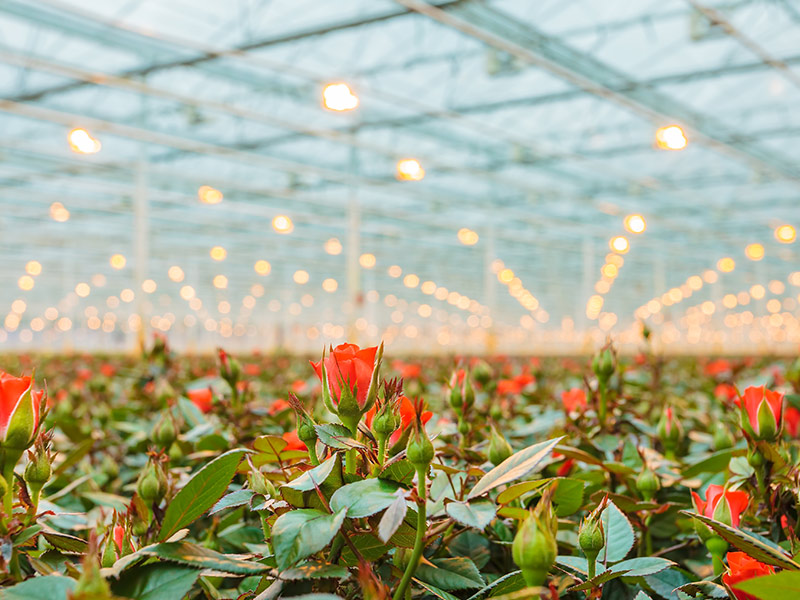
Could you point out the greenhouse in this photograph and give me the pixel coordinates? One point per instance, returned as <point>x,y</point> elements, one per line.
<point>399,299</point>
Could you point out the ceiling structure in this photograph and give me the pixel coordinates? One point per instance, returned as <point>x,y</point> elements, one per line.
<point>535,124</point>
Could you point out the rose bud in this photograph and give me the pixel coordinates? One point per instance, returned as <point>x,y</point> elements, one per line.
<point>350,380</point>
<point>165,432</point>
<point>722,505</point>
<point>454,397</point>
<point>742,567</point>
<point>152,483</point>
<point>468,393</point>
<point>722,437</point>
<point>648,483</point>
<point>603,364</point>
<point>20,407</point>
<point>419,450</point>
<point>534,549</point>
<point>306,430</point>
<point>761,412</point>
<point>38,470</point>
<point>499,448</point>
<point>482,373</point>
<point>670,432</point>
<point>591,537</point>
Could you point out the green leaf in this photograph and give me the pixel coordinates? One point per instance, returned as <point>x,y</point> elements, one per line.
<point>193,415</point>
<point>752,546</point>
<point>596,581</point>
<point>510,582</point>
<point>513,492</point>
<point>568,496</point>
<point>364,498</point>
<point>451,574</point>
<point>393,517</point>
<point>118,503</point>
<point>66,543</point>
<point>473,545</point>
<point>476,514</point>
<point>714,463</point>
<point>401,471</point>
<point>785,584</point>
<point>199,557</point>
<point>643,566</point>
<point>434,590</point>
<point>300,533</point>
<point>315,570</point>
<point>201,492</point>
<point>703,589</point>
<point>232,500</point>
<point>315,477</point>
<point>574,563</point>
<point>368,545</point>
<point>642,596</point>
<point>155,581</point>
<point>49,587</point>
<point>336,436</point>
<point>515,467</point>
<point>313,597</point>
<point>619,535</point>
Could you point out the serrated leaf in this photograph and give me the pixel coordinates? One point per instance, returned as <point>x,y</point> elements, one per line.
<point>315,477</point>
<point>619,535</point>
<point>201,492</point>
<point>510,582</point>
<point>393,517</point>
<point>477,514</point>
<point>364,498</point>
<point>575,563</point>
<point>785,584</point>
<point>315,570</point>
<point>596,581</point>
<point>401,471</point>
<point>516,466</point>
<point>336,436</point>
<point>715,463</point>
<point>642,596</point>
<point>66,543</point>
<point>156,581</point>
<point>49,587</point>
<point>451,574</point>
<point>642,566</point>
<point>300,533</point>
<point>199,557</point>
<point>748,544</point>
<point>703,589</point>
<point>434,590</point>
<point>368,545</point>
<point>232,500</point>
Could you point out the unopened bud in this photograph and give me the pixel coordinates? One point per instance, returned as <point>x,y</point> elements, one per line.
<point>722,437</point>
<point>647,483</point>
<point>534,549</point>
<point>165,432</point>
<point>152,484</point>
<point>419,450</point>
<point>499,448</point>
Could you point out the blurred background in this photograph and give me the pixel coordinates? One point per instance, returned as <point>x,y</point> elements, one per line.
<point>449,176</point>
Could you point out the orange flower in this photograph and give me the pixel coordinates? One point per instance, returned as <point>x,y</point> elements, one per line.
<point>726,391</point>
<point>252,369</point>
<point>574,399</point>
<point>19,411</point>
<point>202,398</point>
<point>718,367</point>
<point>763,410</point>
<point>741,568</point>
<point>294,442</point>
<point>278,406</point>
<point>721,504</point>
<point>792,419</point>
<point>349,365</point>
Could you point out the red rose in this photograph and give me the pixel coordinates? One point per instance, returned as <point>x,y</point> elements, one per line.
<point>763,410</point>
<point>278,406</point>
<point>791,417</point>
<point>721,504</point>
<point>252,370</point>
<point>741,568</point>
<point>574,399</point>
<point>19,411</point>
<point>294,442</point>
<point>717,367</point>
<point>348,365</point>
<point>202,398</point>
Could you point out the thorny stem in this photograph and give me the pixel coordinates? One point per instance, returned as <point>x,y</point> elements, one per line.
<point>419,541</point>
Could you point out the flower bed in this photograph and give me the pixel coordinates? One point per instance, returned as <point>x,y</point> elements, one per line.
<point>361,475</point>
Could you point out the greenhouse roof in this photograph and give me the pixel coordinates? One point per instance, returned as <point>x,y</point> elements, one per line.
<point>536,126</point>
